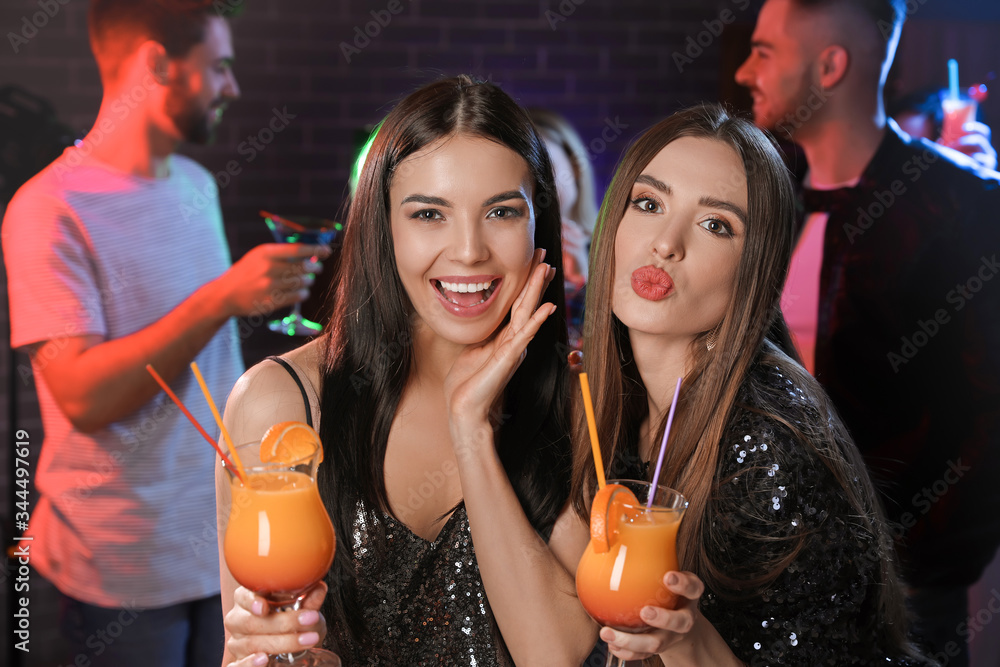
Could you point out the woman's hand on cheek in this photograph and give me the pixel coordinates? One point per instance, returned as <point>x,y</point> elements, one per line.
<point>482,371</point>
<point>678,633</point>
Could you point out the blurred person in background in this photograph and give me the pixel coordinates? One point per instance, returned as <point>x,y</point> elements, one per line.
<point>888,293</point>
<point>577,203</point>
<point>117,258</point>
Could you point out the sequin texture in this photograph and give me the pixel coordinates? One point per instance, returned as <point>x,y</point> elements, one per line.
<point>423,602</point>
<point>773,490</point>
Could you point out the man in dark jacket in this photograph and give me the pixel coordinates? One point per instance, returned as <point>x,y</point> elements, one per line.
<point>891,296</point>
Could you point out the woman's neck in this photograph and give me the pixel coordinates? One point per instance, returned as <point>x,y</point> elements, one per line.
<point>660,360</point>
<point>433,356</point>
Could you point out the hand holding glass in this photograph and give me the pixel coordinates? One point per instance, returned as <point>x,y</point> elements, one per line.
<point>623,567</point>
<point>311,231</point>
<point>279,540</point>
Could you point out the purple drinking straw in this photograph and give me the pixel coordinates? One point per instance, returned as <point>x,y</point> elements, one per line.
<point>663,445</point>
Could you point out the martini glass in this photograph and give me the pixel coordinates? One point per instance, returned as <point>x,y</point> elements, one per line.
<point>279,540</point>
<point>616,578</point>
<point>299,229</point>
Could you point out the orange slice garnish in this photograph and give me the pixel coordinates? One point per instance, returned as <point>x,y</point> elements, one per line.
<point>606,513</point>
<point>288,442</point>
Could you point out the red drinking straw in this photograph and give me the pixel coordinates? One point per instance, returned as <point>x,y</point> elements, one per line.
<point>177,401</point>
<point>663,445</point>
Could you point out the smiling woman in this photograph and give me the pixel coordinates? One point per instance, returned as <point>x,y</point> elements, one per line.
<point>463,227</point>
<point>442,392</point>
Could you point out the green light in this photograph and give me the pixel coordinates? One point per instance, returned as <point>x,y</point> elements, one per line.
<point>359,162</point>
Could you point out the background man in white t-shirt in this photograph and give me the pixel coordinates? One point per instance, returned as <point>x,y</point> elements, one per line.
<point>116,259</point>
<point>890,295</point>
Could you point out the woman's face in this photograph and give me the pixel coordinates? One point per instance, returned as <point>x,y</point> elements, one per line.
<point>463,231</point>
<point>679,243</point>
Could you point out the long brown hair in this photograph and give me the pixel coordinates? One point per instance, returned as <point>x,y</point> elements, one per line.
<point>369,351</point>
<point>710,389</point>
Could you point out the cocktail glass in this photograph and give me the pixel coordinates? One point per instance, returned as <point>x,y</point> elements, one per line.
<point>614,581</point>
<point>299,229</point>
<point>957,112</point>
<point>279,540</point>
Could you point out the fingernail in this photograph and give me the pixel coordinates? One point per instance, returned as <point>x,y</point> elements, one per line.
<point>648,613</point>
<point>257,608</point>
<point>260,659</point>
<point>308,638</point>
<point>673,579</point>
<point>542,258</point>
<point>308,617</point>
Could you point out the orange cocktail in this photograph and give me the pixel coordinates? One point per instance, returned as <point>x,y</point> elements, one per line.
<point>279,537</point>
<point>632,547</point>
<point>279,540</point>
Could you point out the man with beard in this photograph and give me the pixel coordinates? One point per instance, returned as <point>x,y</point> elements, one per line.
<point>890,295</point>
<point>116,259</point>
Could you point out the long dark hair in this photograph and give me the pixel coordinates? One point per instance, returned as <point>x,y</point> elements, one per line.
<point>710,389</point>
<point>369,354</point>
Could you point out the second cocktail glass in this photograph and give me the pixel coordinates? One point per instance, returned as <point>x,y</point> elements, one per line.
<point>623,573</point>
<point>279,540</point>
<point>311,231</point>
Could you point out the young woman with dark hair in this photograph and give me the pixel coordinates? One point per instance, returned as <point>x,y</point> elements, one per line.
<point>785,554</point>
<point>440,391</point>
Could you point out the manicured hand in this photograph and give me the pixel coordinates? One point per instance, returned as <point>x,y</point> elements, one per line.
<point>482,371</point>
<point>256,631</point>
<point>672,631</point>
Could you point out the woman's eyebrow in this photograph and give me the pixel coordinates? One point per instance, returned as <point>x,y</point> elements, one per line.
<point>726,205</point>
<point>504,196</point>
<point>425,199</point>
<point>654,182</point>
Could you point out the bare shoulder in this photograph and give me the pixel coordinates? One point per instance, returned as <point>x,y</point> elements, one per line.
<point>263,396</point>
<point>309,358</point>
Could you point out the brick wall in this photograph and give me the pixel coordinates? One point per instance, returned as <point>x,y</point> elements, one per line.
<point>599,62</point>
<point>602,63</point>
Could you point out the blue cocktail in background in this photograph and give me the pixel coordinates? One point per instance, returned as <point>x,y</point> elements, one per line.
<point>299,229</point>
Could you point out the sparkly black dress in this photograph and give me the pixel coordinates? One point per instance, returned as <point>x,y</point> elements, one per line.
<point>821,608</point>
<point>422,602</point>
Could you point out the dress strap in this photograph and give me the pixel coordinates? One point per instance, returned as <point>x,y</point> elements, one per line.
<point>295,376</point>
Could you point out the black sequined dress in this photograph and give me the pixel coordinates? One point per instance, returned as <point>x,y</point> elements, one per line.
<point>423,602</point>
<point>821,608</point>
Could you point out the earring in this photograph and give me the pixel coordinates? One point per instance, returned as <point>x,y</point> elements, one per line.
<point>712,338</point>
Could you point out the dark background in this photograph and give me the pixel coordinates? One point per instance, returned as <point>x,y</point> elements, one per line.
<point>599,62</point>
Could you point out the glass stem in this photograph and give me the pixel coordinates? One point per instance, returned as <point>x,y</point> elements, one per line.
<point>295,606</point>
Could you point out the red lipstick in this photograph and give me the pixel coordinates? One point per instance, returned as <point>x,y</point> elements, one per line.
<point>651,283</point>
